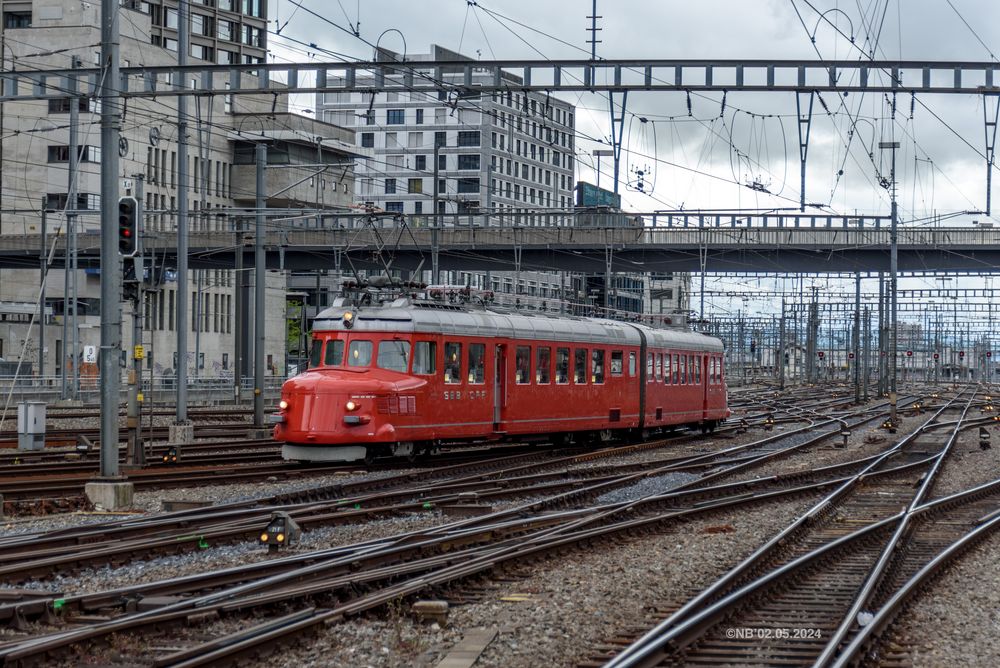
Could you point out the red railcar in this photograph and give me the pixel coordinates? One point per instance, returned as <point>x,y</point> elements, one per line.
<point>405,377</point>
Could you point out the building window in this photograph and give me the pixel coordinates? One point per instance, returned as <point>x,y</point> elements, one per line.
<point>420,116</point>
<point>395,116</point>
<point>224,30</point>
<point>468,185</point>
<point>420,162</point>
<point>468,138</point>
<point>418,208</point>
<point>16,20</point>
<point>390,186</point>
<point>415,186</point>
<point>440,139</point>
<point>468,161</point>
<point>442,162</point>
<point>368,139</point>
<point>394,207</point>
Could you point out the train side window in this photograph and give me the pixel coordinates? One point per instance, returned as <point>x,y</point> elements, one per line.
<point>675,370</point>
<point>522,365</point>
<point>699,362</point>
<point>360,353</point>
<point>580,366</point>
<point>692,369</point>
<point>452,363</point>
<point>477,363</point>
<point>649,367</point>
<point>425,357</point>
<point>316,354</point>
<point>658,362</point>
<point>631,364</point>
<point>334,353</point>
<point>393,355</point>
<point>617,360</point>
<point>597,367</point>
<point>543,364</point>
<point>562,366</point>
<point>684,370</point>
<point>666,369</point>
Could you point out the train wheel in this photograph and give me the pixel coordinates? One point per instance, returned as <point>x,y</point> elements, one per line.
<point>369,456</point>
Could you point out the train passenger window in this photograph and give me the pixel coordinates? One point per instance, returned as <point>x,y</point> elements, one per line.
<point>698,362</point>
<point>316,354</point>
<point>425,357</point>
<point>691,370</point>
<point>543,364</point>
<point>580,365</point>
<point>394,355</point>
<point>360,353</point>
<point>597,366</point>
<point>684,370</point>
<point>649,367</point>
<point>617,358</point>
<point>452,363</point>
<point>631,364</point>
<point>675,370</point>
<point>334,353</point>
<point>562,366</point>
<point>658,363</point>
<point>477,363</point>
<point>522,365</point>
<point>666,369</point>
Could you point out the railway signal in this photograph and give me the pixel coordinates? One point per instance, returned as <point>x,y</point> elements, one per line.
<point>936,356</point>
<point>128,237</point>
<point>821,354</point>
<point>961,353</point>
<point>281,531</point>
<point>909,353</point>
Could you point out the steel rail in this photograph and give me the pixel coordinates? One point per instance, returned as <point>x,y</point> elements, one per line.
<point>664,632</point>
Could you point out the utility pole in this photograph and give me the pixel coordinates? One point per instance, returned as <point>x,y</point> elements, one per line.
<point>69,353</point>
<point>135,454</point>
<point>259,276</point>
<point>435,250</point>
<point>111,493</point>
<point>780,361</point>
<point>41,298</point>
<point>857,338</point>
<point>893,271</point>
<point>182,431</point>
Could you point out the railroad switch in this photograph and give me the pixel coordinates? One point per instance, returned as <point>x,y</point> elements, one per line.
<point>984,438</point>
<point>845,435</point>
<point>281,531</point>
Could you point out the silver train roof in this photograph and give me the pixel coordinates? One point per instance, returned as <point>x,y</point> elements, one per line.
<point>405,316</point>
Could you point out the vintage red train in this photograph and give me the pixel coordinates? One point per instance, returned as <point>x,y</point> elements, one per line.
<point>404,377</point>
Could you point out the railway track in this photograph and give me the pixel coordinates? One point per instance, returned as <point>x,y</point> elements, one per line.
<point>798,600</point>
<point>361,577</point>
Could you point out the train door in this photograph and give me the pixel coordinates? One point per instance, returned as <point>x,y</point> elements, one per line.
<point>706,381</point>
<point>499,386</point>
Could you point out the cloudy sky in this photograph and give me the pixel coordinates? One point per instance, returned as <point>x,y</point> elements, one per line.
<point>720,158</point>
<point>753,143</point>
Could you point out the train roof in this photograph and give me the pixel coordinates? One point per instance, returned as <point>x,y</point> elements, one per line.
<point>403,315</point>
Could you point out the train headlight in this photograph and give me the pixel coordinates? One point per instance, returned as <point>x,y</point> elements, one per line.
<point>283,405</point>
<point>351,406</point>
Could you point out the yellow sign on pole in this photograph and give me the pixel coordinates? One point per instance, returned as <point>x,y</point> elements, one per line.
<point>139,353</point>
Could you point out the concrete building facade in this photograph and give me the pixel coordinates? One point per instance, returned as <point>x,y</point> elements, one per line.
<point>309,167</point>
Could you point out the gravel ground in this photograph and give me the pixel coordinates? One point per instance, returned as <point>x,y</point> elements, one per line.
<point>226,556</point>
<point>151,501</point>
<point>585,595</point>
<point>968,465</point>
<point>954,623</point>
